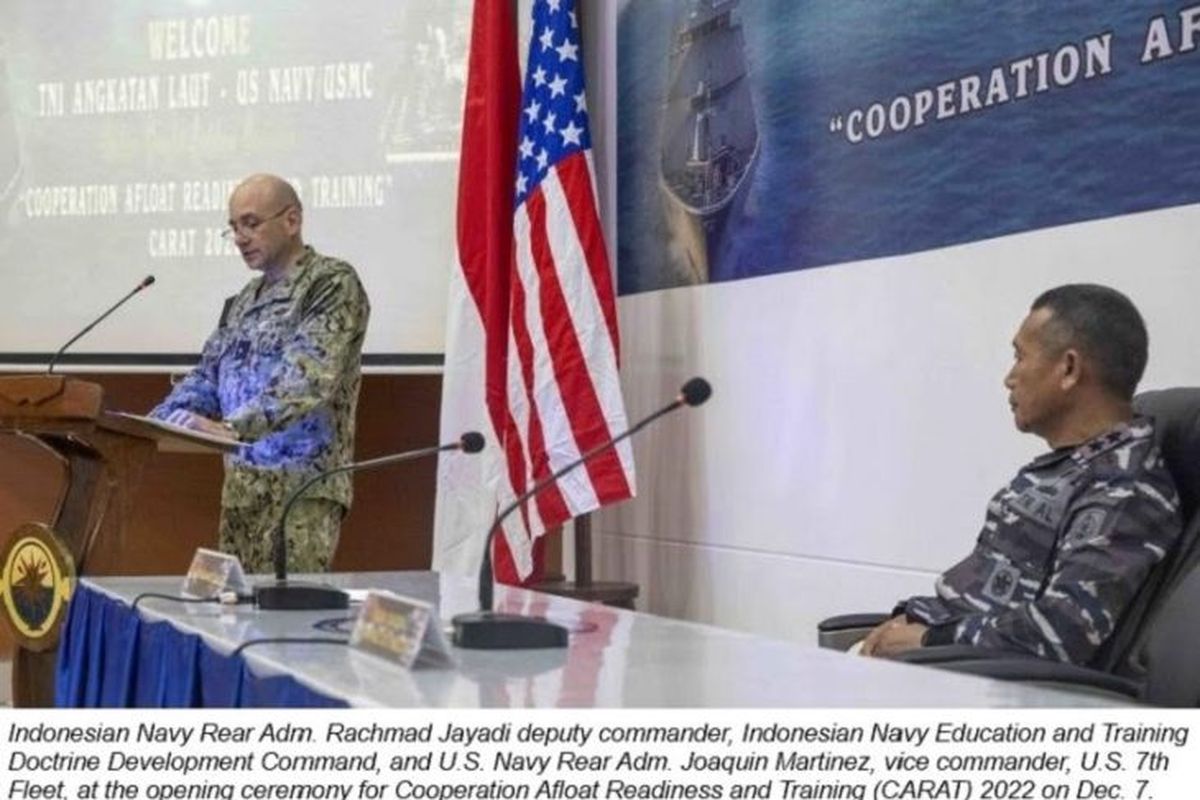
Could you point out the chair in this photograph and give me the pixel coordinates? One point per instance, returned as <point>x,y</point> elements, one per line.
<point>1169,648</point>
<point>1153,654</point>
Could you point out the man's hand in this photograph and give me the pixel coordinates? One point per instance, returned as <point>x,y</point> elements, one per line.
<point>186,419</point>
<point>894,636</point>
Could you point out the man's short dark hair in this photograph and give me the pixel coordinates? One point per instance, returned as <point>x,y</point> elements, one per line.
<point>1105,326</point>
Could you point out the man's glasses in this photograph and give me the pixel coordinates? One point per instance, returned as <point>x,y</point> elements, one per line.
<point>248,225</point>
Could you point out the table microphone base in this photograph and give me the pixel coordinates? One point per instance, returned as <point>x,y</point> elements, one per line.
<point>487,630</point>
<point>299,596</point>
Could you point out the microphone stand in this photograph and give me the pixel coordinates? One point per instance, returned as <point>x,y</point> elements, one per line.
<point>147,281</point>
<point>285,595</point>
<point>488,630</point>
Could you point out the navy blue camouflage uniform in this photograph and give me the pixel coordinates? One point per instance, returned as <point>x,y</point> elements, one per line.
<point>1064,549</point>
<point>283,371</point>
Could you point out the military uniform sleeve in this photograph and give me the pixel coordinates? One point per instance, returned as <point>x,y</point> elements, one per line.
<point>327,342</point>
<point>197,392</point>
<point>1115,534</point>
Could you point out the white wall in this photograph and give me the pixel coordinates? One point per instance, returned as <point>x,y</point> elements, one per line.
<point>858,423</point>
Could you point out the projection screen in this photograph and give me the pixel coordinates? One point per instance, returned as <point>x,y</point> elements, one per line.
<point>124,124</point>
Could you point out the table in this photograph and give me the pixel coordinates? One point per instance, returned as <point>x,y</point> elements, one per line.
<point>171,654</point>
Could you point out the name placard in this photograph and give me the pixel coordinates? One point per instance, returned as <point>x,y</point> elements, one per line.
<point>212,572</point>
<point>400,629</point>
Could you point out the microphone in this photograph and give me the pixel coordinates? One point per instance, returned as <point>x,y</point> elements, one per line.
<point>285,595</point>
<point>486,630</point>
<point>146,282</point>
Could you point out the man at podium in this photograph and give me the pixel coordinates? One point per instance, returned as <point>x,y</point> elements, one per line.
<point>280,373</point>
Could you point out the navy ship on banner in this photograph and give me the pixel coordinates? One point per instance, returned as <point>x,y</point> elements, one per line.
<point>710,140</point>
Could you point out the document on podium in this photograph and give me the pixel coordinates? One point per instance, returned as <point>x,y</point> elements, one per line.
<point>179,439</point>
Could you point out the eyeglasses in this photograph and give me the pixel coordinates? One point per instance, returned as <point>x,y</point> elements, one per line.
<point>248,225</point>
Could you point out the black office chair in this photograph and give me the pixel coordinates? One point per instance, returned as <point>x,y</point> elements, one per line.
<point>1154,654</point>
<point>1169,648</point>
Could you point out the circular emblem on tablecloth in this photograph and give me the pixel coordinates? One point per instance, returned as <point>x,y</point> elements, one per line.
<point>36,578</point>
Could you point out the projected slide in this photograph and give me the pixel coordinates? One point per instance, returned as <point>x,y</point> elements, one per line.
<point>124,124</point>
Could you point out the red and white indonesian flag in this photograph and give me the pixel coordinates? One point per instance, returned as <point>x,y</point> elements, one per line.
<point>532,344</point>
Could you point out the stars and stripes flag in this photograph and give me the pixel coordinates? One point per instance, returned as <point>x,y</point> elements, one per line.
<point>532,343</point>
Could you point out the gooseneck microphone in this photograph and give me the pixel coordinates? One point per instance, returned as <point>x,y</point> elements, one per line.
<point>146,282</point>
<point>285,595</point>
<point>487,630</point>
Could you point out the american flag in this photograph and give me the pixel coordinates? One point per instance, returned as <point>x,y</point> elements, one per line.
<point>543,299</point>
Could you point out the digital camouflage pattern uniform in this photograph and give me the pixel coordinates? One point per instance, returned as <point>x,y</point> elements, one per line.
<point>283,370</point>
<point>1063,550</point>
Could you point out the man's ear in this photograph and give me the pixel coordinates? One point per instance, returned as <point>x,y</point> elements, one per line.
<point>1071,368</point>
<point>294,218</point>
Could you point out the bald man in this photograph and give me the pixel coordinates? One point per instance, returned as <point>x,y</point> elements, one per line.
<point>281,373</point>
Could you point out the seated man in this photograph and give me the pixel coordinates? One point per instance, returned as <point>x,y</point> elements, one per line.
<point>1066,545</point>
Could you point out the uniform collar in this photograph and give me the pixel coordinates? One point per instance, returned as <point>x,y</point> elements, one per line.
<point>1120,434</point>
<point>283,288</point>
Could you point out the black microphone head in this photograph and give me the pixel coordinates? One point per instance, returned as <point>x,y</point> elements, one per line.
<point>695,391</point>
<point>146,281</point>
<point>471,442</point>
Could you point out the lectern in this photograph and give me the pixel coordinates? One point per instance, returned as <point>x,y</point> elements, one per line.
<point>103,455</point>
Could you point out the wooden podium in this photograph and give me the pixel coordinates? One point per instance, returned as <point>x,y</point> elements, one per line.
<point>103,455</point>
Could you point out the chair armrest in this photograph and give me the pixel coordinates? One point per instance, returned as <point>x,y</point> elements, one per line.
<point>951,653</point>
<point>1006,665</point>
<point>1043,671</point>
<point>843,621</point>
<point>845,630</point>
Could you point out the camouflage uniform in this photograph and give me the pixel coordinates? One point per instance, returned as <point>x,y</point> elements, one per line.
<point>283,370</point>
<point>1063,550</point>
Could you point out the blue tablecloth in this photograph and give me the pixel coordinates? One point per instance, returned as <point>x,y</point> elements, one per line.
<point>110,656</point>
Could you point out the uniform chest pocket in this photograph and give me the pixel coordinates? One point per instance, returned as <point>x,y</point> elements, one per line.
<point>1041,505</point>
<point>271,328</point>
<point>1027,534</point>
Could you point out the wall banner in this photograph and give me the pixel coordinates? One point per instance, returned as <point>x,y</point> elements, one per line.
<point>763,136</point>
